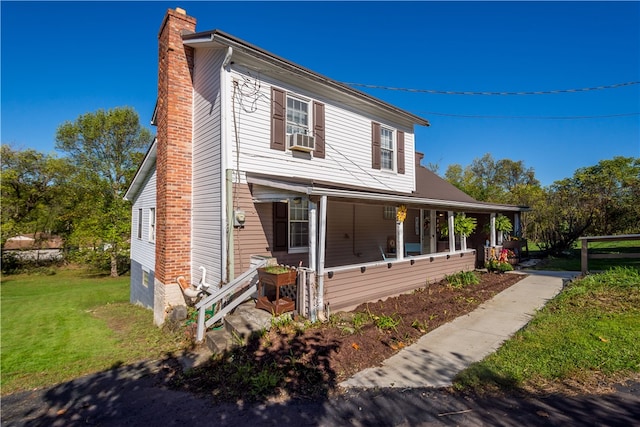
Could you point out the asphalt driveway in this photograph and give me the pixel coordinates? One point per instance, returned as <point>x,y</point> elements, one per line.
<point>138,395</point>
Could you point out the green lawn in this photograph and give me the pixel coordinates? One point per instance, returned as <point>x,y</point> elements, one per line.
<point>55,328</point>
<point>571,262</point>
<point>589,331</point>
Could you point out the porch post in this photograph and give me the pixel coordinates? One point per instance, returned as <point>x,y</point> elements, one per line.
<point>399,240</point>
<point>313,230</point>
<point>433,231</point>
<point>452,236</point>
<point>319,309</point>
<point>516,224</point>
<point>492,235</point>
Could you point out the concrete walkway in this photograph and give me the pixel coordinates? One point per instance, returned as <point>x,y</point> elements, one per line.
<point>436,358</point>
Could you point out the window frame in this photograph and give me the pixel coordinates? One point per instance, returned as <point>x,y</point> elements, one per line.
<point>387,135</point>
<point>139,225</point>
<point>303,204</point>
<point>290,123</point>
<point>152,225</point>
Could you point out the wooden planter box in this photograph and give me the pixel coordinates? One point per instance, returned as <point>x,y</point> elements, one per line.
<point>278,305</point>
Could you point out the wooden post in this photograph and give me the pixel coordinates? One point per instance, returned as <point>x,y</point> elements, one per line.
<point>584,256</point>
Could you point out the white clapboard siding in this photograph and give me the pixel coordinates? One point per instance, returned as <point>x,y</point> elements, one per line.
<point>142,250</point>
<point>347,140</point>
<point>207,203</point>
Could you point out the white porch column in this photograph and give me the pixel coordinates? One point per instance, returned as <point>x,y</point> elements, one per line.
<point>313,235</point>
<point>322,234</point>
<point>492,236</point>
<point>452,236</point>
<point>433,231</point>
<point>399,240</point>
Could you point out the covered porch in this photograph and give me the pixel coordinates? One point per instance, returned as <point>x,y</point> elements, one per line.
<point>365,245</point>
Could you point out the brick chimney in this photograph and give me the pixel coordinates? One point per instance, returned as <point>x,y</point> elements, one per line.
<point>174,150</point>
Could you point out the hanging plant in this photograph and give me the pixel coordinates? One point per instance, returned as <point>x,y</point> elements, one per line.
<point>503,223</point>
<point>462,224</point>
<point>401,214</point>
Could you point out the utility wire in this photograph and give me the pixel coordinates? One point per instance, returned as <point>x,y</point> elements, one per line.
<point>472,116</point>
<point>451,92</point>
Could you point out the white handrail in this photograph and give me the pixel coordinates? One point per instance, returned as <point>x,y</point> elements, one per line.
<point>219,294</point>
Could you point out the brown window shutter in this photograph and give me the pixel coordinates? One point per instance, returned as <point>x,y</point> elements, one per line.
<point>318,129</point>
<point>400,143</point>
<point>278,119</point>
<point>280,226</point>
<point>375,145</point>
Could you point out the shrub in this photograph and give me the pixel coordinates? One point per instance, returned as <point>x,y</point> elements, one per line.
<point>462,279</point>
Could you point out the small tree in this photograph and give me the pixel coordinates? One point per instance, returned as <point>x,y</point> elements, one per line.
<point>105,147</point>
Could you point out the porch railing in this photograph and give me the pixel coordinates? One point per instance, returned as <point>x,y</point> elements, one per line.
<point>230,288</point>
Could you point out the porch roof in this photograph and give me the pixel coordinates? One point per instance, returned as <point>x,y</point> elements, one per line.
<point>289,187</point>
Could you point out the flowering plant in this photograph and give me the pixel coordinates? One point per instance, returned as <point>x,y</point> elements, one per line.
<point>401,215</point>
<point>501,262</point>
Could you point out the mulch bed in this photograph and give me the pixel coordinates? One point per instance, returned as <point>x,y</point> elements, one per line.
<point>290,361</point>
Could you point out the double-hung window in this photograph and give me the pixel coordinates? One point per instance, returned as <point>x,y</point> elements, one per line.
<point>152,224</point>
<point>139,224</point>
<point>299,225</point>
<point>386,148</point>
<point>291,226</point>
<point>297,116</point>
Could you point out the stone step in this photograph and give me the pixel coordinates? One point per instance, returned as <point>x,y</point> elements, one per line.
<point>239,326</point>
<point>219,341</point>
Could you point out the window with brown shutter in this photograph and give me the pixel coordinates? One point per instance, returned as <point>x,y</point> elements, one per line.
<point>375,145</point>
<point>280,226</point>
<point>318,130</point>
<point>278,119</point>
<point>400,144</point>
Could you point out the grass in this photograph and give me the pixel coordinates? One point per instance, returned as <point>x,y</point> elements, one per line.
<point>58,327</point>
<point>571,262</point>
<point>589,331</point>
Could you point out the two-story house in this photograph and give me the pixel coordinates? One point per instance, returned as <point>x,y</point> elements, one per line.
<point>258,156</point>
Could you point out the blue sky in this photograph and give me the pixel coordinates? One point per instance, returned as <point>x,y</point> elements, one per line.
<point>63,59</point>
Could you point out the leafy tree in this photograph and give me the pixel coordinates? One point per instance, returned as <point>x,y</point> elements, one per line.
<point>105,147</point>
<point>488,180</point>
<point>598,200</point>
<point>31,187</point>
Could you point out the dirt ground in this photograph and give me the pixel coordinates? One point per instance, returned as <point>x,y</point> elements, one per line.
<point>292,361</point>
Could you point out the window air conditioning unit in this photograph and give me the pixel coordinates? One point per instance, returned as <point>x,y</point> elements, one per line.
<point>300,142</point>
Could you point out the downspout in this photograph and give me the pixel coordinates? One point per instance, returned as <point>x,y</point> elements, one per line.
<point>228,213</point>
<point>321,250</point>
<point>225,231</point>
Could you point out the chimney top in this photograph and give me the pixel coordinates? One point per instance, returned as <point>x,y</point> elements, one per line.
<point>181,11</point>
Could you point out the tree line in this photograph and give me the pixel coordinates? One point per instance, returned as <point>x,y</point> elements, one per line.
<point>603,199</point>
<point>79,196</point>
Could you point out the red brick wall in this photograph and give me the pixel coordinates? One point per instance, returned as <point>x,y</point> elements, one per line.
<point>173,168</point>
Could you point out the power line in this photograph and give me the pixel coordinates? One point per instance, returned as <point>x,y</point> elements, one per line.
<point>472,116</point>
<point>451,92</point>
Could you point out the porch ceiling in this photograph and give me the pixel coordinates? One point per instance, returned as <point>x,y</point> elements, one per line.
<point>291,187</point>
